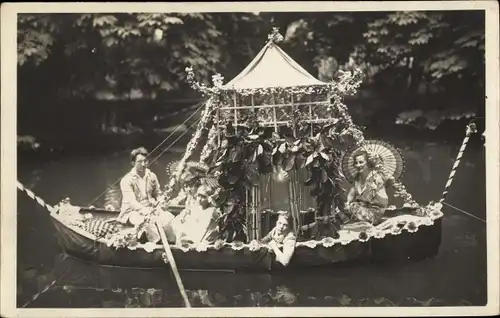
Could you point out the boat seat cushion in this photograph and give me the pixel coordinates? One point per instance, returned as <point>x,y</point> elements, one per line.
<point>100,228</point>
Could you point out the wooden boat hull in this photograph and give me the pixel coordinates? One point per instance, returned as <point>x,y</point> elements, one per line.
<point>420,244</point>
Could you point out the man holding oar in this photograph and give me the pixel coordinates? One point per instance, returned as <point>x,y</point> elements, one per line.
<point>141,192</point>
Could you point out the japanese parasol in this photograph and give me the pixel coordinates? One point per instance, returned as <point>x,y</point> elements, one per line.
<point>391,160</point>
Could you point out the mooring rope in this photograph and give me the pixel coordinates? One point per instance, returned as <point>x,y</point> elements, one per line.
<point>471,128</point>
<point>35,296</point>
<point>464,212</point>
<point>39,200</point>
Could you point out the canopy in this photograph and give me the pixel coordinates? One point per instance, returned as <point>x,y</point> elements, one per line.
<point>272,67</point>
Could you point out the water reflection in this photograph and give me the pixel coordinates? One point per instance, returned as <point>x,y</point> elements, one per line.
<point>457,276</point>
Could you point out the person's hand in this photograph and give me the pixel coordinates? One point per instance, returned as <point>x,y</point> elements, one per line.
<point>146,210</point>
<point>272,245</point>
<point>254,245</point>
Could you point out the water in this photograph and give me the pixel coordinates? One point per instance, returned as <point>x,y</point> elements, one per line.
<point>456,276</point>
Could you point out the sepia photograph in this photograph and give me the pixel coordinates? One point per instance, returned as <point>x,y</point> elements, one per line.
<point>290,158</point>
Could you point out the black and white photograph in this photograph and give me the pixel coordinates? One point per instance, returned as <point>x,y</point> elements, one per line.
<point>251,158</point>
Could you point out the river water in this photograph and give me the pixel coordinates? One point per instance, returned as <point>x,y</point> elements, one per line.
<point>456,276</point>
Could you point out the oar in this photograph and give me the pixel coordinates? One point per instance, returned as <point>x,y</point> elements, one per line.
<point>173,266</point>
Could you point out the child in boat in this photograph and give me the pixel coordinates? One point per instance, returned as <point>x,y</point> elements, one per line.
<point>281,234</point>
<point>367,199</point>
<point>200,224</point>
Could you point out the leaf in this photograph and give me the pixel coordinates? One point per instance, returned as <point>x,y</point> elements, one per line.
<point>282,148</point>
<point>324,176</point>
<point>309,181</point>
<point>172,20</point>
<point>324,156</point>
<point>300,161</point>
<point>236,155</point>
<point>260,150</point>
<point>309,160</point>
<point>289,163</point>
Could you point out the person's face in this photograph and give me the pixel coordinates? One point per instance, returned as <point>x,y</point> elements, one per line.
<point>191,189</point>
<point>282,224</point>
<point>140,163</point>
<point>360,163</point>
<point>202,199</point>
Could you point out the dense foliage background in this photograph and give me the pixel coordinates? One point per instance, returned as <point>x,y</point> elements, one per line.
<point>107,76</point>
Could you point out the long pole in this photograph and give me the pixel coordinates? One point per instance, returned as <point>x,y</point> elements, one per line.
<point>471,128</point>
<point>173,265</point>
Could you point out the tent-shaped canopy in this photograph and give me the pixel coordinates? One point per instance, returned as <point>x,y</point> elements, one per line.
<point>272,67</point>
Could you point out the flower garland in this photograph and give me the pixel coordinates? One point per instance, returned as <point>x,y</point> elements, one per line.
<point>193,143</point>
<point>209,147</point>
<point>401,192</point>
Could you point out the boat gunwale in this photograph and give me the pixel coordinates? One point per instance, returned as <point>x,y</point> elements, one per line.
<point>326,242</point>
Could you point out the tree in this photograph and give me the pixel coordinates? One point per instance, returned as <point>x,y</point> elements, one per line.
<point>121,55</point>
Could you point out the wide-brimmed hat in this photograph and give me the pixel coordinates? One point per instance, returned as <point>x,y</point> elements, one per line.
<point>387,158</point>
<point>194,171</point>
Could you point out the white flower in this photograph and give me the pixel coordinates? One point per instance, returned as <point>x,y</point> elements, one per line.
<point>149,247</point>
<point>328,242</point>
<point>201,247</point>
<point>427,221</point>
<point>185,247</point>
<point>237,246</point>
<point>110,242</point>
<point>310,243</point>
<point>411,227</point>
<point>132,247</point>
<point>396,230</point>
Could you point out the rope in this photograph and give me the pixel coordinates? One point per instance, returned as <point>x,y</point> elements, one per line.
<point>39,200</point>
<point>182,135</point>
<point>465,212</point>
<point>471,128</point>
<point>35,297</point>
<point>185,121</point>
<point>164,140</point>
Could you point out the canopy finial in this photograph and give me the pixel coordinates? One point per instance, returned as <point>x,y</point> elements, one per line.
<point>275,36</point>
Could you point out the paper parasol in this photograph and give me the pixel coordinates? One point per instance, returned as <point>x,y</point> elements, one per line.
<point>392,162</point>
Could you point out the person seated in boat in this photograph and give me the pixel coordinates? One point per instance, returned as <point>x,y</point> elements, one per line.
<point>281,235</point>
<point>141,191</point>
<point>367,199</point>
<point>201,223</point>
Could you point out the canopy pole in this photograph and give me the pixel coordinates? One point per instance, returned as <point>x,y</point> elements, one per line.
<point>275,117</point>
<point>294,126</point>
<point>173,265</point>
<point>235,113</point>
<point>311,115</point>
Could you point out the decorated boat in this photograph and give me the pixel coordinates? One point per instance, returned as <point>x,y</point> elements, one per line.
<point>273,139</point>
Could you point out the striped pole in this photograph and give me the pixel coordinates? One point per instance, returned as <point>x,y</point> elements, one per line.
<point>471,128</point>
<point>39,200</point>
